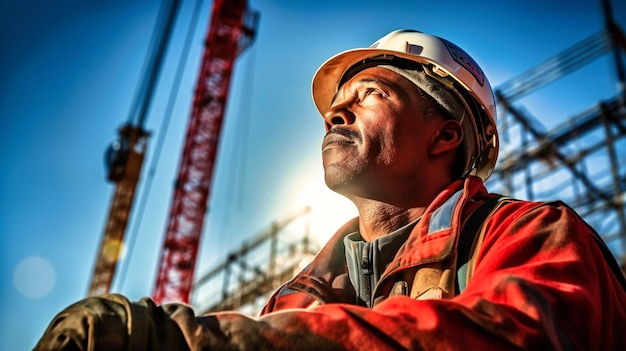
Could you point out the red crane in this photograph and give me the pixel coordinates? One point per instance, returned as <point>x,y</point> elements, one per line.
<point>226,38</point>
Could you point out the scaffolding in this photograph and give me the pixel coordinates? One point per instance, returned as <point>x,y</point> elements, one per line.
<point>254,270</point>
<point>580,161</point>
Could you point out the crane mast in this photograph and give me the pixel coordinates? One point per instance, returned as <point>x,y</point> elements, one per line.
<point>125,156</point>
<point>125,159</point>
<point>193,184</point>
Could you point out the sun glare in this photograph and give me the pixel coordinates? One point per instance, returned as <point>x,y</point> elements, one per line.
<point>329,210</point>
<point>34,277</point>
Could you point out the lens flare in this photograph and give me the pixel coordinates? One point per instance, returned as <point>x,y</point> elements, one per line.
<point>34,277</point>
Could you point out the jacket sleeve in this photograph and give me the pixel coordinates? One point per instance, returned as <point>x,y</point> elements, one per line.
<point>112,322</point>
<point>540,283</point>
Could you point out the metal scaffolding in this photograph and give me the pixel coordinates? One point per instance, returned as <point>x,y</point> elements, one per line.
<point>578,161</point>
<point>254,270</point>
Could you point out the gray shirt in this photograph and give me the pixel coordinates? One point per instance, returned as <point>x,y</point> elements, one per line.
<point>367,260</point>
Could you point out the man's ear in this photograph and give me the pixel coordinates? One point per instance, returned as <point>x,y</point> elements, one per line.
<point>446,138</point>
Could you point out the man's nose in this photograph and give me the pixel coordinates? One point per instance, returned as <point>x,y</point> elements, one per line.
<point>338,115</point>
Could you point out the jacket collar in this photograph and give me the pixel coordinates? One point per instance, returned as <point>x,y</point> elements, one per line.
<point>432,239</point>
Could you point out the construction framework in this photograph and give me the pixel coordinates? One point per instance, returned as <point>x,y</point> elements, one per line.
<point>254,270</point>
<point>577,161</point>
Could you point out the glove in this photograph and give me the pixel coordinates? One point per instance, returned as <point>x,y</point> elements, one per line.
<point>95,323</point>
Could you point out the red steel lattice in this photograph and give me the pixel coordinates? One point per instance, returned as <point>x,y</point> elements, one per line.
<point>193,184</point>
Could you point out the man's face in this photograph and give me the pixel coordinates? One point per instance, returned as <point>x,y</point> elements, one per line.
<point>376,138</point>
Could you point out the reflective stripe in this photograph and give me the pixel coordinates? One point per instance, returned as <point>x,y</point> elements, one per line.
<point>284,290</point>
<point>442,217</point>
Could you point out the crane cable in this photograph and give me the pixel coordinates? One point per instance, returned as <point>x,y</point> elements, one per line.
<point>152,65</point>
<point>182,64</point>
<point>238,166</point>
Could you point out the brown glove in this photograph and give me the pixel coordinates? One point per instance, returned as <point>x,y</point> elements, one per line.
<point>91,324</point>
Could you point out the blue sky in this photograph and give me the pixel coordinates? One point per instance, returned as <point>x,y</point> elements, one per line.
<point>69,73</point>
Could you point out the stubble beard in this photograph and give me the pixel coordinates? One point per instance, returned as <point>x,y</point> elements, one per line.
<point>345,166</point>
<point>343,178</point>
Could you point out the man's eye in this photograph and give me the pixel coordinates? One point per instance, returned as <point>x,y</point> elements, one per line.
<point>371,92</point>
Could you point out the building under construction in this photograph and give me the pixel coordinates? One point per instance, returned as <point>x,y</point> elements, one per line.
<point>580,161</point>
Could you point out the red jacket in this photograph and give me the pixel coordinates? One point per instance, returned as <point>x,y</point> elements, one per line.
<point>542,279</point>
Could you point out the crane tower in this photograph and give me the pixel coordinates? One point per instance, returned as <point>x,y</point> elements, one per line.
<point>227,37</point>
<point>125,156</point>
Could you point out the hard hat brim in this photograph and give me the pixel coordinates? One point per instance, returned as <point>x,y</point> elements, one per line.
<point>326,79</point>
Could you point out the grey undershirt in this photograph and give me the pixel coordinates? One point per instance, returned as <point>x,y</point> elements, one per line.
<point>367,260</point>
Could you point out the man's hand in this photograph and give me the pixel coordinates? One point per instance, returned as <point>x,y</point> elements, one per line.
<point>91,324</point>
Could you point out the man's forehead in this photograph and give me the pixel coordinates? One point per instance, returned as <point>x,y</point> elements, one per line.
<point>371,75</point>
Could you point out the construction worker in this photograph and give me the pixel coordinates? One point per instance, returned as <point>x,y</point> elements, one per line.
<point>432,262</point>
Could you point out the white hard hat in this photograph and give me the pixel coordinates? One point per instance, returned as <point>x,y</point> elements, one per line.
<point>441,60</point>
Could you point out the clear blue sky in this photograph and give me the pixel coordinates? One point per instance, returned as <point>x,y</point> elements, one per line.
<point>69,72</point>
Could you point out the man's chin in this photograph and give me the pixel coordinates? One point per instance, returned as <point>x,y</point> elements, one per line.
<point>334,182</point>
<point>343,184</point>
